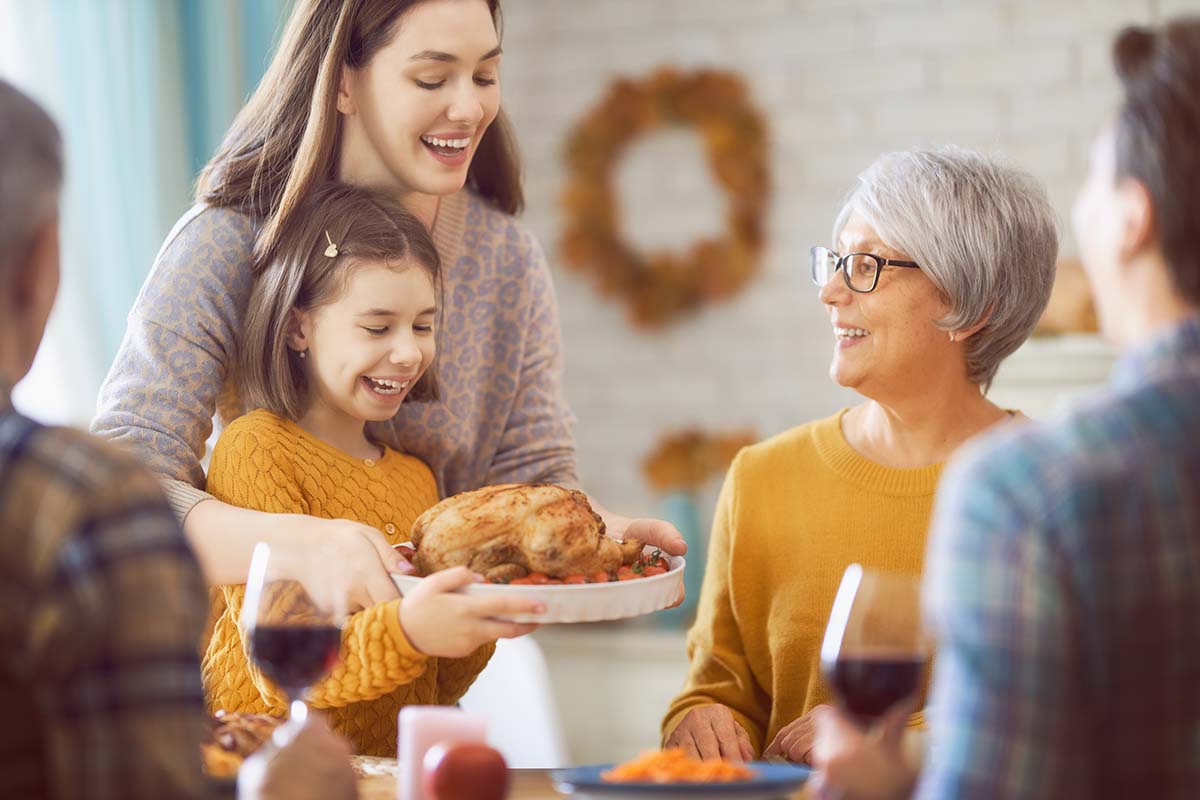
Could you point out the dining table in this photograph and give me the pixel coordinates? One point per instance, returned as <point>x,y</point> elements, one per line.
<point>377,781</point>
<point>524,784</point>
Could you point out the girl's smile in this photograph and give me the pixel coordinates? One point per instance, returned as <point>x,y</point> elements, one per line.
<point>387,387</point>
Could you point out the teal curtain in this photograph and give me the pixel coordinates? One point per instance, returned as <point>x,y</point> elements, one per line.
<point>225,46</point>
<point>143,91</point>
<point>682,509</point>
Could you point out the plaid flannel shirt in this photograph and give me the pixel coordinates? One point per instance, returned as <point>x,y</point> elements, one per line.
<point>102,609</point>
<point>1064,586</point>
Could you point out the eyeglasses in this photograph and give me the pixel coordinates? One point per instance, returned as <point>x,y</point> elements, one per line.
<point>859,270</point>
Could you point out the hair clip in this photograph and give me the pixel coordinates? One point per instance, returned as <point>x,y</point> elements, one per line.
<point>332,250</point>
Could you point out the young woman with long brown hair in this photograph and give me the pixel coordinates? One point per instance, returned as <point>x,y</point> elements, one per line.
<point>402,96</point>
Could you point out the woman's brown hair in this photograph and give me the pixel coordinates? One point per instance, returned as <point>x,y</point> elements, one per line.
<point>366,226</point>
<point>1158,136</point>
<point>284,141</point>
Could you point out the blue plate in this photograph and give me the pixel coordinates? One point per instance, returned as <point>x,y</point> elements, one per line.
<point>771,779</point>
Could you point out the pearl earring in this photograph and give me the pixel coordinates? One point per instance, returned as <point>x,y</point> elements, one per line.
<point>304,353</point>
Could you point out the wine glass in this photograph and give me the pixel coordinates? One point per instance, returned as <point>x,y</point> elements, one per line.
<point>292,616</point>
<point>875,646</point>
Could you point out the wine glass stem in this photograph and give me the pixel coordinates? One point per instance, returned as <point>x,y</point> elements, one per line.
<point>299,712</point>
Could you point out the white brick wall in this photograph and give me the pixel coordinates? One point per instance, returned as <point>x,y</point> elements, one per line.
<point>841,81</point>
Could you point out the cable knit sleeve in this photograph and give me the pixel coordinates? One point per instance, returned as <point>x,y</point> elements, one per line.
<point>376,658</point>
<point>455,675</point>
<point>162,391</point>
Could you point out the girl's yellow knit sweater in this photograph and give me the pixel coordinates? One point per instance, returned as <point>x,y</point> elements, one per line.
<point>268,463</point>
<point>795,511</point>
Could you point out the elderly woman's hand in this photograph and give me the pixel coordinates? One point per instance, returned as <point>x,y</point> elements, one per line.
<point>857,765</point>
<point>796,739</point>
<point>712,732</point>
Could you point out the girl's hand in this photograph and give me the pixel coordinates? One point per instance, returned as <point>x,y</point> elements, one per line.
<point>364,557</point>
<point>440,622</point>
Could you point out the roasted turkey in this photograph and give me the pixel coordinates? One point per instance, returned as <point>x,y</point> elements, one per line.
<point>507,531</point>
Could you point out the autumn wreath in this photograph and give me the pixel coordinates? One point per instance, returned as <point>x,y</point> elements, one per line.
<point>660,286</point>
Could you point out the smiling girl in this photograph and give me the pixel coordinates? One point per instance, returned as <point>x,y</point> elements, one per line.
<point>339,332</point>
<point>402,96</point>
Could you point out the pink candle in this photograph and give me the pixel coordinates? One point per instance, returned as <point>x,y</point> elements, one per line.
<point>421,727</point>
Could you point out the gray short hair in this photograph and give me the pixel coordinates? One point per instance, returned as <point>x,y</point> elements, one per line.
<point>31,170</point>
<point>983,231</point>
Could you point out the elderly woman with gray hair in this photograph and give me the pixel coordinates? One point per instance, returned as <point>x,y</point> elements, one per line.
<point>943,262</point>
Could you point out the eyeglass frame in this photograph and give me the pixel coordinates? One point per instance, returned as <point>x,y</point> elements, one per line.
<point>880,262</point>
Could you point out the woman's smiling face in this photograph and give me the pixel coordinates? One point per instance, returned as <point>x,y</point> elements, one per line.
<point>887,338</point>
<point>414,115</point>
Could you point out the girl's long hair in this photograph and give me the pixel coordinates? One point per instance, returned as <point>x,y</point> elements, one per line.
<point>284,142</point>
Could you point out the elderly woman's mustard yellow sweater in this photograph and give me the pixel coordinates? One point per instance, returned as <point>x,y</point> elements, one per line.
<point>794,512</point>
<point>268,463</point>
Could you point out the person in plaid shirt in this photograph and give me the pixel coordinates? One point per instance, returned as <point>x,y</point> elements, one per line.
<point>1063,579</point>
<point>103,602</point>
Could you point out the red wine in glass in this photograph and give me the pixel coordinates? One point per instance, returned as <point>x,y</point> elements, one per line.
<point>295,657</point>
<point>869,684</point>
<point>874,651</point>
<point>291,615</point>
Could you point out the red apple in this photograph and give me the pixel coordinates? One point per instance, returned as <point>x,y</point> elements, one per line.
<point>464,771</point>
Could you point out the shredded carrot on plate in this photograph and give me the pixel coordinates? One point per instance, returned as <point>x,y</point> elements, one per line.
<point>674,766</point>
